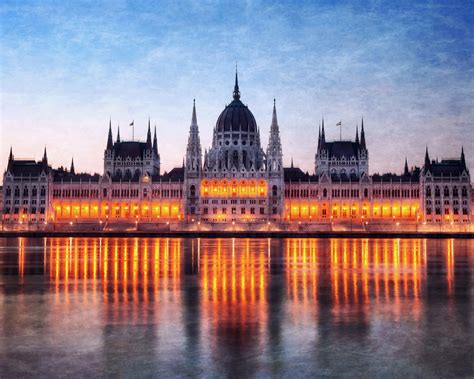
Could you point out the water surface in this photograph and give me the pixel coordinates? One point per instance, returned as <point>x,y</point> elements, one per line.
<point>88,307</point>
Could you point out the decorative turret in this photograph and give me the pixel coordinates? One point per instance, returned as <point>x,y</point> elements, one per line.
<point>427,160</point>
<point>10,159</point>
<point>236,86</point>
<point>110,142</point>
<point>406,172</point>
<point>193,150</point>
<point>323,136</point>
<point>274,150</point>
<point>148,136</point>
<point>44,161</point>
<point>357,134</point>
<point>73,172</point>
<point>155,143</point>
<point>362,136</point>
<point>463,159</point>
<point>118,133</point>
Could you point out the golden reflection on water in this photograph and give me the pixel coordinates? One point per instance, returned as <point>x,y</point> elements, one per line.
<point>234,275</point>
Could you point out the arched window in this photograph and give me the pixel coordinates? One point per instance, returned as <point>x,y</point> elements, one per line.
<point>145,192</point>
<point>17,191</point>
<point>25,191</point>
<point>192,190</point>
<point>104,192</point>
<point>366,192</point>
<point>34,192</point>
<point>437,191</point>
<point>325,192</point>
<point>446,191</point>
<point>428,191</point>
<point>8,191</point>
<point>43,191</point>
<point>464,191</point>
<point>235,159</point>
<point>274,190</point>
<point>455,191</point>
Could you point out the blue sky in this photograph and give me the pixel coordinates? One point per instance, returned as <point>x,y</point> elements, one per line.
<point>407,68</point>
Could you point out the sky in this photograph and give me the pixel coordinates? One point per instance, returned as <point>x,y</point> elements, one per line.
<point>407,68</point>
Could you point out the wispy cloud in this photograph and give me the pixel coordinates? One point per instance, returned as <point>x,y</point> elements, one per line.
<point>67,68</point>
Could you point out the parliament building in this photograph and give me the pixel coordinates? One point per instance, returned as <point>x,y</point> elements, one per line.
<point>236,181</point>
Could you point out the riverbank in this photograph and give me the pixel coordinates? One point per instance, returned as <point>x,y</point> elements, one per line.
<point>236,234</point>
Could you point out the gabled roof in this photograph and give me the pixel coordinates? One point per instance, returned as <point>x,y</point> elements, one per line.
<point>339,149</point>
<point>447,167</point>
<point>26,168</point>
<point>295,174</point>
<point>175,175</point>
<point>132,149</point>
<point>66,176</point>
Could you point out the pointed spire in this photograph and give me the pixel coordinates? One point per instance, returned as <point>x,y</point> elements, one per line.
<point>427,158</point>
<point>323,136</point>
<point>110,142</point>
<point>72,167</point>
<point>236,86</point>
<point>118,133</point>
<point>357,133</point>
<point>148,136</point>
<point>274,116</point>
<point>292,166</point>
<point>405,171</point>
<point>362,136</point>
<point>155,142</point>
<point>45,155</point>
<point>194,118</point>
<point>463,158</point>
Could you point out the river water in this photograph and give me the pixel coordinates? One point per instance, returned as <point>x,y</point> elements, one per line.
<point>90,307</point>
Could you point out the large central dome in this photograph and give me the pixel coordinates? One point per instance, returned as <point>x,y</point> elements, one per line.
<point>236,117</point>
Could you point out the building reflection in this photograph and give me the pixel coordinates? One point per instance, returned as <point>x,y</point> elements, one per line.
<point>225,296</point>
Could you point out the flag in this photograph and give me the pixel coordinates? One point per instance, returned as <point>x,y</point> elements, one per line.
<point>132,123</point>
<point>339,123</point>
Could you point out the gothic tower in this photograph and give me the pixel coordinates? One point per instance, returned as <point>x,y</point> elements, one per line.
<point>193,169</point>
<point>275,169</point>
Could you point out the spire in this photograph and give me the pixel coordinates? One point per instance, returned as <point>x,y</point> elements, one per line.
<point>463,158</point>
<point>323,136</point>
<point>72,167</point>
<point>405,171</point>
<point>357,133</point>
<point>45,155</point>
<point>118,133</point>
<point>236,86</point>
<point>274,116</point>
<point>194,118</point>
<point>427,158</point>
<point>292,166</point>
<point>155,143</point>
<point>148,136</point>
<point>109,138</point>
<point>10,158</point>
<point>362,136</point>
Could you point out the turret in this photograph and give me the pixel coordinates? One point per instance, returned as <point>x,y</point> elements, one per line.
<point>406,172</point>
<point>463,159</point>
<point>193,150</point>
<point>148,137</point>
<point>357,134</point>
<point>109,138</point>
<point>362,136</point>
<point>73,172</point>
<point>44,161</point>
<point>155,143</point>
<point>118,133</point>
<point>274,150</point>
<point>427,159</point>
<point>10,159</point>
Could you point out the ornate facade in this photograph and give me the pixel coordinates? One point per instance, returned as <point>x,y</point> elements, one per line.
<point>236,181</point>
